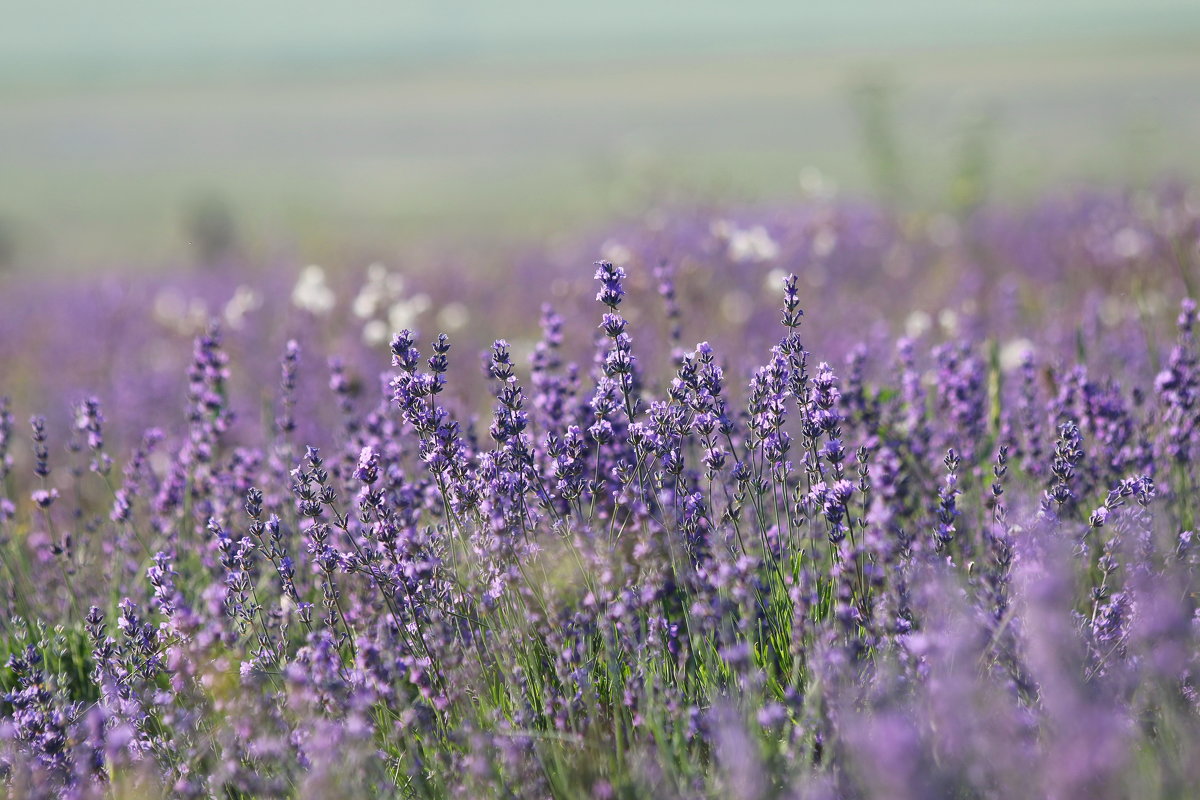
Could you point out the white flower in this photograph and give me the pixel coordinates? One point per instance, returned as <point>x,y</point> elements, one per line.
<point>381,287</point>
<point>311,293</point>
<point>169,307</point>
<point>403,313</point>
<point>918,322</point>
<point>824,241</point>
<point>244,301</point>
<point>453,316</point>
<point>287,606</point>
<point>1129,243</point>
<point>753,245</point>
<point>1013,352</point>
<point>375,332</point>
<point>365,302</point>
<point>773,283</point>
<point>616,252</point>
<point>175,311</point>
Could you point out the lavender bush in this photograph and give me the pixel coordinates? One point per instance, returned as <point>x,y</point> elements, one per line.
<point>934,538</point>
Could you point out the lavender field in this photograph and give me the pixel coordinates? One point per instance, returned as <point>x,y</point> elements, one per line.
<point>811,500</point>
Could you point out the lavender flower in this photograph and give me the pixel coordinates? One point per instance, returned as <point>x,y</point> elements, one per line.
<point>942,567</point>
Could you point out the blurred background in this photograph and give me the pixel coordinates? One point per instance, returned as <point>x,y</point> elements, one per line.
<point>137,134</point>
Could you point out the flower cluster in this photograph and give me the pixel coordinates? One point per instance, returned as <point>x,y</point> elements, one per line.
<point>621,567</point>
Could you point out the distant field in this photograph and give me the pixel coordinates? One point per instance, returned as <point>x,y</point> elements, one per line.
<point>375,157</point>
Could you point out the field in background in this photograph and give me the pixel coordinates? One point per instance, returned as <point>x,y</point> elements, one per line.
<point>121,159</point>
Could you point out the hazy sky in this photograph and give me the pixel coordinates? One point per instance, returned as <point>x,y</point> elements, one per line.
<point>89,39</point>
